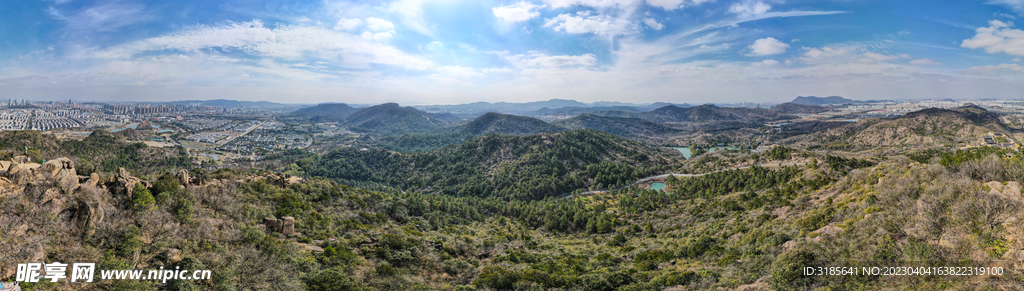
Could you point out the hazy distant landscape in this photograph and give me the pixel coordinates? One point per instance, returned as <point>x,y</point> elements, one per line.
<point>554,194</point>
<point>526,145</point>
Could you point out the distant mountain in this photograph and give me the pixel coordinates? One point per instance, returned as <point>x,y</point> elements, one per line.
<point>657,105</point>
<point>228,103</point>
<point>831,100</point>
<point>633,128</point>
<point>502,107</point>
<point>507,124</point>
<point>485,124</point>
<point>326,112</point>
<point>573,111</point>
<point>710,113</point>
<point>924,128</point>
<point>390,118</point>
<point>617,113</point>
<point>793,108</point>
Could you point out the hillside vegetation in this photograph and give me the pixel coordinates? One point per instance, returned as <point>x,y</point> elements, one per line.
<point>633,128</point>
<point>922,128</point>
<point>528,167</point>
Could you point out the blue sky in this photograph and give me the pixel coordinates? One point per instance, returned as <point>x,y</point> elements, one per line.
<point>452,51</point>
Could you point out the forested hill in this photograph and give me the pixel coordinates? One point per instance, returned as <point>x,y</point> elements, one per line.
<point>485,124</point>
<point>326,112</point>
<point>620,126</point>
<point>925,127</point>
<point>514,167</point>
<point>710,113</point>
<point>101,151</point>
<point>794,108</point>
<point>390,118</point>
<point>506,124</point>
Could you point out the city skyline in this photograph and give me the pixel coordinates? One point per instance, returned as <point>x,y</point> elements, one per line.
<point>450,52</point>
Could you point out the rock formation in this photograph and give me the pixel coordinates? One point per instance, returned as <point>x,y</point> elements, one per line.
<point>124,184</point>
<point>285,225</point>
<point>182,177</point>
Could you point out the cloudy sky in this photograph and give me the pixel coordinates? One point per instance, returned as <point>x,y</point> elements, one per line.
<point>454,51</point>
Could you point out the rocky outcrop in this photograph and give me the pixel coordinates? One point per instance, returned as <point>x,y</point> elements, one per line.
<point>124,184</point>
<point>1011,190</point>
<point>183,177</point>
<point>285,225</point>
<point>91,180</point>
<point>88,214</point>
<point>58,168</point>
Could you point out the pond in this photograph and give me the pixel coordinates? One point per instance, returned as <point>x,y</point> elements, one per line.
<point>685,151</point>
<point>657,186</point>
<point>687,154</point>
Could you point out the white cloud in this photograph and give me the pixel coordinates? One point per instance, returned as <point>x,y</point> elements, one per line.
<point>770,62</point>
<point>666,4</point>
<point>767,46</point>
<point>749,9</point>
<point>592,3</point>
<point>348,24</point>
<point>997,38</point>
<point>1016,59</point>
<point>925,62</point>
<point>459,72</point>
<point>872,57</point>
<point>103,17</point>
<point>376,35</point>
<point>377,24</point>
<point>1016,5</point>
<point>287,42</point>
<point>540,60</point>
<point>411,15</point>
<point>584,22</point>
<point>521,11</point>
<point>650,22</point>
<point>995,70</point>
<point>675,4</point>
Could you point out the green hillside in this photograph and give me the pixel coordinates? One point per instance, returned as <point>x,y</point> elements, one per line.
<point>514,167</point>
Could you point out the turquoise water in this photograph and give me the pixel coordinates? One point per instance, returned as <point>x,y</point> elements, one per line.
<point>156,139</point>
<point>687,154</point>
<point>657,186</point>
<point>165,130</point>
<point>685,151</point>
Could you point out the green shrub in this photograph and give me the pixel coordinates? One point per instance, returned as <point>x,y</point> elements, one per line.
<point>142,199</point>
<point>787,271</point>
<point>332,279</point>
<point>183,210</point>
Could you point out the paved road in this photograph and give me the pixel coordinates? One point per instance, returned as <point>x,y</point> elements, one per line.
<point>665,176</point>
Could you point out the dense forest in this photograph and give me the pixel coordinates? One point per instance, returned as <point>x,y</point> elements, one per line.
<point>496,165</point>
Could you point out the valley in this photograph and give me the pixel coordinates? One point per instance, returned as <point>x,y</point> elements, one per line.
<point>611,198</point>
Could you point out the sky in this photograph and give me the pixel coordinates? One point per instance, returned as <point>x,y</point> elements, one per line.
<point>454,51</point>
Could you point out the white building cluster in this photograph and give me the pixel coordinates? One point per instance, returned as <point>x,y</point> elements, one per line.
<point>13,120</point>
<point>46,120</point>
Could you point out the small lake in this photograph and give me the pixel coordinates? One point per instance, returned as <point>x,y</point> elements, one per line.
<point>685,151</point>
<point>657,186</point>
<point>687,154</point>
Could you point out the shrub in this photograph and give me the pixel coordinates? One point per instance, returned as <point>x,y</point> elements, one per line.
<point>142,199</point>
<point>787,271</point>
<point>183,210</point>
<point>331,279</point>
